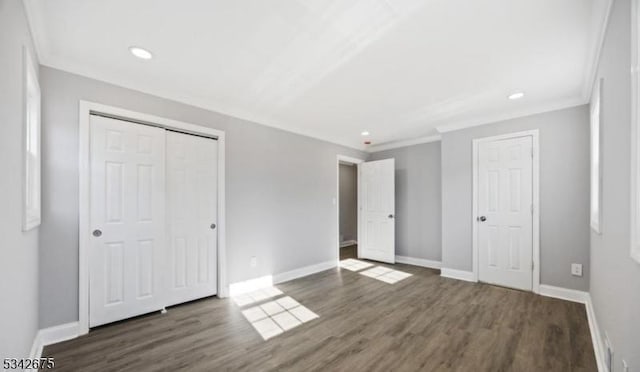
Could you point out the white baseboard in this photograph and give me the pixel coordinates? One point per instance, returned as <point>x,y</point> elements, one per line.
<point>564,293</point>
<point>269,280</point>
<point>457,274</point>
<point>348,243</point>
<point>596,339</point>
<point>303,271</point>
<point>53,335</point>
<point>583,298</point>
<point>419,262</point>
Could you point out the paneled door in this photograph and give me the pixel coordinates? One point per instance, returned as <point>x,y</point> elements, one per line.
<point>376,237</point>
<point>505,212</point>
<point>192,189</point>
<point>127,218</point>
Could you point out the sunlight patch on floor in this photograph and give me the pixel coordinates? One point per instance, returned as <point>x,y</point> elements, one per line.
<point>272,312</point>
<point>275,317</point>
<point>385,274</point>
<point>354,265</point>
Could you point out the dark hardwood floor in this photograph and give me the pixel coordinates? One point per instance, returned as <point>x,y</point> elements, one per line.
<point>422,323</point>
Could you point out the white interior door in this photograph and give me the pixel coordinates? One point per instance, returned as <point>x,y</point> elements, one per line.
<point>376,238</point>
<point>127,218</point>
<point>192,189</point>
<point>505,206</point>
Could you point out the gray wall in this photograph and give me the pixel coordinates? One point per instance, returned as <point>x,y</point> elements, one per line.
<point>418,200</point>
<point>19,251</point>
<point>348,181</point>
<point>280,189</point>
<point>615,277</point>
<point>564,193</point>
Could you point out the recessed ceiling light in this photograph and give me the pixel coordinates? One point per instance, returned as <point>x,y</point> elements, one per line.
<point>140,52</point>
<point>365,133</point>
<point>516,95</point>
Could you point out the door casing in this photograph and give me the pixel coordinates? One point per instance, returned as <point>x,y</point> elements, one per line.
<point>536,202</point>
<point>86,109</point>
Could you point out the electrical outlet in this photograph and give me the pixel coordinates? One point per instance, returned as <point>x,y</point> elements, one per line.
<point>576,269</point>
<point>254,261</point>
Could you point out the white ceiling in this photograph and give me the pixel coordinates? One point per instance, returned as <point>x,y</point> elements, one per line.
<point>333,68</point>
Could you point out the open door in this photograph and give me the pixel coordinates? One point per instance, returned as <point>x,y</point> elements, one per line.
<point>376,190</point>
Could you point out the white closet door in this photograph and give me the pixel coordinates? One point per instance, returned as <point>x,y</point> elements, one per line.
<point>127,218</point>
<point>192,189</point>
<point>505,230</point>
<point>377,195</point>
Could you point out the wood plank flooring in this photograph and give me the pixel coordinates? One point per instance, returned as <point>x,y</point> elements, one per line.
<point>422,323</point>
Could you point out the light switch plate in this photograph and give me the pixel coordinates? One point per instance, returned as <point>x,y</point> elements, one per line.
<point>576,269</point>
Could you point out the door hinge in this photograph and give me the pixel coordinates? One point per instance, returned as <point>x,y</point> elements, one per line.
<point>531,208</point>
<point>532,152</point>
<point>533,265</point>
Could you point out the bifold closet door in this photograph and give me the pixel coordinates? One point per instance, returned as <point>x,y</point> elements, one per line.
<point>192,205</point>
<point>127,219</point>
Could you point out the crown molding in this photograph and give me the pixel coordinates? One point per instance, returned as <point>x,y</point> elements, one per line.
<point>403,143</point>
<point>491,119</point>
<point>201,103</point>
<point>593,60</point>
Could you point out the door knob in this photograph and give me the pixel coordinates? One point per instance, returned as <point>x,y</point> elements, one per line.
<point>97,233</point>
<point>213,226</point>
<point>482,218</point>
<point>390,216</point>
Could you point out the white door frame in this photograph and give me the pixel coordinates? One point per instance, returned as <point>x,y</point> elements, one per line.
<point>355,161</point>
<point>86,109</point>
<point>536,201</point>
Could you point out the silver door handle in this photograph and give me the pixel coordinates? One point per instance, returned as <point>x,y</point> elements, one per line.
<point>97,233</point>
<point>482,218</point>
<point>390,216</point>
<point>212,226</point>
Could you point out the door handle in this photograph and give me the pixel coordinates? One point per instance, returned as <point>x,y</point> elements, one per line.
<point>212,226</point>
<point>97,233</point>
<point>482,218</point>
<point>390,216</point>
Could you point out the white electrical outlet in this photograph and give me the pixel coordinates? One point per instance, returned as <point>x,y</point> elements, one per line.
<point>576,269</point>
<point>254,261</point>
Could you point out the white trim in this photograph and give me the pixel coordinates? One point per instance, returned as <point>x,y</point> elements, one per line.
<point>467,276</point>
<point>266,281</point>
<point>419,262</point>
<point>250,285</point>
<point>564,293</point>
<point>600,25</point>
<point>596,338</point>
<point>403,143</point>
<point>535,200</point>
<point>303,271</point>
<point>351,160</point>
<point>492,119</point>
<point>85,110</point>
<point>348,243</point>
<point>32,96</point>
<point>583,298</point>
<point>53,335</point>
<point>596,125</point>
<point>635,133</point>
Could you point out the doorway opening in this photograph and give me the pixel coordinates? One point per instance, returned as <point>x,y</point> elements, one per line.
<point>347,207</point>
